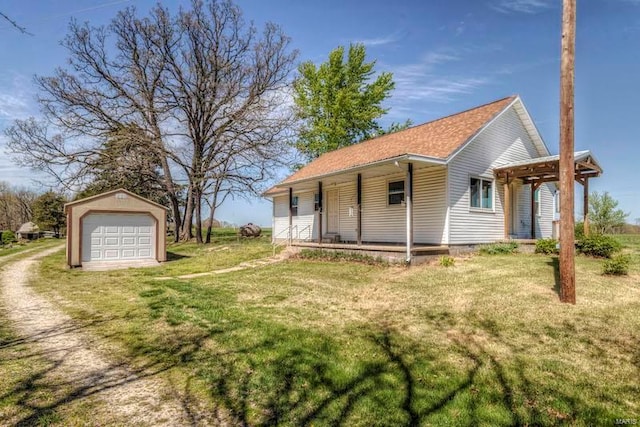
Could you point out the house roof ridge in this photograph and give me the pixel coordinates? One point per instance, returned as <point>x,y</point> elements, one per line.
<point>436,139</point>
<point>513,97</point>
<point>430,122</point>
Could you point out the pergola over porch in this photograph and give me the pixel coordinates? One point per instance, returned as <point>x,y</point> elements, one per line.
<point>536,172</point>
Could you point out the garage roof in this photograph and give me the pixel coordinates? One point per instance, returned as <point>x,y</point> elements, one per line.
<point>110,193</point>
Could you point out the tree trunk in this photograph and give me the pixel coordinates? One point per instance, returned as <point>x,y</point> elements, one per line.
<point>186,233</point>
<point>212,212</point>
<point>198,206</point>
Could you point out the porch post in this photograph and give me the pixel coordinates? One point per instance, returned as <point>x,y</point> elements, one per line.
<point>534,187</point>
<point>408,203</point>
<point>290,214</point>
<point>585,206</point>
<point>320,212</point>
<point>359,209</point>
<point>506,207</point>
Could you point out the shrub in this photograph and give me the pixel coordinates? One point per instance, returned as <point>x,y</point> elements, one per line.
<point>547,246</point>
<point>578,230</point>
<point>8,237</point>
<point>617,265</point>
<point>447,261</point>
<point>499,248</point>
<point>598,245</point>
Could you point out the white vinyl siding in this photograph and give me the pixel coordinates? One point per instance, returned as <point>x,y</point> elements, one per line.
<point>382,222</point>
<point>304,224</point>
<point>429,206</point>
<point>504,140</point>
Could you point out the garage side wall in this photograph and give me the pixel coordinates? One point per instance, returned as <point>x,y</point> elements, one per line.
<point>114,203</point>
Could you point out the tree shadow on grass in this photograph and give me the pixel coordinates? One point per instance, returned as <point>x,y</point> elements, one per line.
<point>47,387</point>
<point>304,387</point>
<point>555,263</point>
<point>263,374</point>
<point>394,381</point>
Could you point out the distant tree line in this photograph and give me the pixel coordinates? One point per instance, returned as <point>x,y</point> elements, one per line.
<point>19,205</point>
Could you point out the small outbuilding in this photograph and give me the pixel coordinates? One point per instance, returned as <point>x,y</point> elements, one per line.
<point>115,229</point>
<point>28,231</point>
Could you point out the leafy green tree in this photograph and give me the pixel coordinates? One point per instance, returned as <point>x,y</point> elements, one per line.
<point>336,103</point>
<point>48,211</point>
<point>603,215</point>
<point>396,127</point>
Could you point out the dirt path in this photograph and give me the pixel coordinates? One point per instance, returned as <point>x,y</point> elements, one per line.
<point>135,397</point>
<point>256,263</point>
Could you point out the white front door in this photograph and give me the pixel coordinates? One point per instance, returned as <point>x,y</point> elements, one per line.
<point>333,211</point>
<point>117,237</point>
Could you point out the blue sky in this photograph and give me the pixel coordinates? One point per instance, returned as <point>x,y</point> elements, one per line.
<point>446,56</point>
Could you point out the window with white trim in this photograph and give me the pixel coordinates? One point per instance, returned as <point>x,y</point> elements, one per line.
<point>536,202</point>
<point>316,202</point>
<point>294,206</point>
<point>395,192</point>
<point>481,193</point>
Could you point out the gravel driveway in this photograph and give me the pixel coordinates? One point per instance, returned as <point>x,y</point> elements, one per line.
<point>134,397</point>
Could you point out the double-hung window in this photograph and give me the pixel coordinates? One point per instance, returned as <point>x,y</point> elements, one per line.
<point>536,202</point>
<point>395,192</point>
<point>294,206</point>
<point>481,190</point>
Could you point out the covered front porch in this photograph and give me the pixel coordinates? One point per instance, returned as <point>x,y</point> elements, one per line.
<point>534,173</point>
<point>389,252</point>
<point>370,209</point>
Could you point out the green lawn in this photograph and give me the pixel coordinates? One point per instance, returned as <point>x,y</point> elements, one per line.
<point>485,342</point>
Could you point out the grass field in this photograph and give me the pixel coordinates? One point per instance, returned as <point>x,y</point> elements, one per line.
<point>485,342</point>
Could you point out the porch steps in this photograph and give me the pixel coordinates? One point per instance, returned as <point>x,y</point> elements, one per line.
<point>331,238</point>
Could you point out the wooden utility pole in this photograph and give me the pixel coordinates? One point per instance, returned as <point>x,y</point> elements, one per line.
<point>567,164</point>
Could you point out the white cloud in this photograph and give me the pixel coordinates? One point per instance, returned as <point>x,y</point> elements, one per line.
<point>11,106</point>
<point>440,89</point>
<point>16,98</point>
<point>437,77</point>
<point>380,41</point>
<point>16,102</point>
<point>423,81</point>
<point>521,6</point>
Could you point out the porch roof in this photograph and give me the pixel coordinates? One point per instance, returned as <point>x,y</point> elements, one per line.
<point>433,142</point>
<point>546,169</point>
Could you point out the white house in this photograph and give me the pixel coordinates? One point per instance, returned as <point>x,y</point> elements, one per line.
<point>478,176</point>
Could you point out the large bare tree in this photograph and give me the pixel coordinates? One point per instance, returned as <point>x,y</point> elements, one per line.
<point>203,89</point>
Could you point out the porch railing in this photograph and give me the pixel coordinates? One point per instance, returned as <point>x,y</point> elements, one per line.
<point>292,233</point>
<point>286,242</point>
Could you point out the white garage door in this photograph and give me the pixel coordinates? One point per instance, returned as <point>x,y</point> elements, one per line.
<point>117,237</point>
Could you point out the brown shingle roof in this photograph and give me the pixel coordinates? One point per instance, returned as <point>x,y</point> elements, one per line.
<point>437,139</point>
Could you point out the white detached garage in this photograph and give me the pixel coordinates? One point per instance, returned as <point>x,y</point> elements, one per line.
<point>115,228</point>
